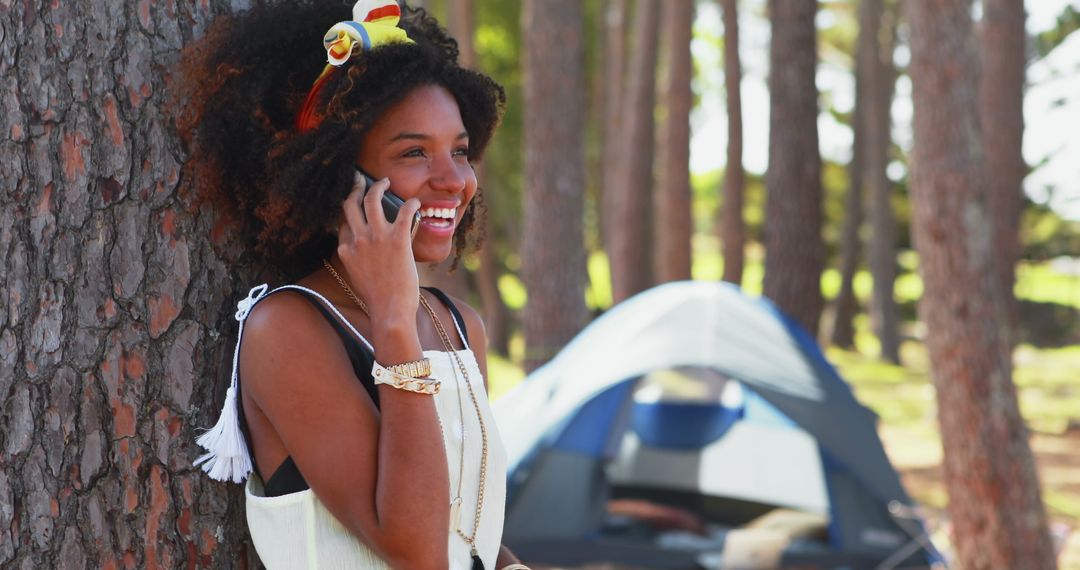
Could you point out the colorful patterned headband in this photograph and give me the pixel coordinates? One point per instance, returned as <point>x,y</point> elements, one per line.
<point>374,24</point>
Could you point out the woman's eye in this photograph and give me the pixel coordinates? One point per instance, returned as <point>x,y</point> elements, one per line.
<point>415,152</point>
<point>461,151</point>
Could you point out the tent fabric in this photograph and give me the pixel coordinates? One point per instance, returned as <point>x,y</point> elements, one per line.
<point>709,325</point>
<point>574,410</point>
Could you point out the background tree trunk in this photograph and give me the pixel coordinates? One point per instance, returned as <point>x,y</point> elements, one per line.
<point>114,325</point>
<point>631,244</point>
<point>994,498</point>
<point>485,280</point>
<point>846,305</point>
<point>674,224</point>
<point>876,120</point>
<point>1001,107</point>
<point>732,224</point>
<point>794,250</point>
<point>614,65</point>
<point>553,251</point>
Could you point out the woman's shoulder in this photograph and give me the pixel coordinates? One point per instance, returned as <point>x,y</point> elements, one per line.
<point>473,321</point>
<point>284,316</point>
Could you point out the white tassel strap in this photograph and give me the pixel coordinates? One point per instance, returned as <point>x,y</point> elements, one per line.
<point>227,457</point>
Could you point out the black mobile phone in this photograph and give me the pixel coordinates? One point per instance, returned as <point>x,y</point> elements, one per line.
<point>391,203</point>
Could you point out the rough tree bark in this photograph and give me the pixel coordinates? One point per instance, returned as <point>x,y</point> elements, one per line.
<point>630,251</point>
<point>794,250</point>
<point>994,498</point>
<point>674,224</point>
<point>876,120</point>
<point>614,64</point>
<point>114,320</point>
<point>732,224</point>
<point>553,246</point>
<point>1001,110</point>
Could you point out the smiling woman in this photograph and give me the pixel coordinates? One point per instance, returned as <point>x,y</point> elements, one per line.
<point>361,424</point>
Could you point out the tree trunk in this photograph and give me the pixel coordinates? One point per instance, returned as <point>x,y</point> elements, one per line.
<point>1001,106</point>
<point>114,324</point>
<point>614,64</point>
<point>881,77</point>
<point>553,251</point>
<point>846,305</point>
<point>674,224</point>
<point>994,498</point>
<point>794,251</point>
<point>486,277</point>
<point>631,243</point>
<point>732,224</point>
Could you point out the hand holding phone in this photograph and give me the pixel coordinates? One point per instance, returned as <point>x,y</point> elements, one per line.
<point>391,204</point>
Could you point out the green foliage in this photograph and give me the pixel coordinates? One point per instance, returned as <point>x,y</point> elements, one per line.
<point>1046,234</point>
<point>1067,23</point>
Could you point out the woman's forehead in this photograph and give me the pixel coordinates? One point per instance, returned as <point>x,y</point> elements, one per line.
<point>427,111</point>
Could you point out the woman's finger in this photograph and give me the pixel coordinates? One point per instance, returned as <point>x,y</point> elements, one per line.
<point>353,216</point>
<point>406,214</point>
<point>345,233</point>
<point>376,218</point>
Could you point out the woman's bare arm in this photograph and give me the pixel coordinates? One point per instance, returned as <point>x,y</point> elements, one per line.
<point>382,473</point>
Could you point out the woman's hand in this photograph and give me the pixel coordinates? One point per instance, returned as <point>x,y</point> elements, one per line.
<point>377,254</point>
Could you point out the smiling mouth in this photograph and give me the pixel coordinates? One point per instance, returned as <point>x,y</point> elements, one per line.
<point>440,218</point>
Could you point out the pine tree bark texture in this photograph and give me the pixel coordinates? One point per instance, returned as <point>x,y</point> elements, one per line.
<point>994,498</point>
<point>876,120</point>
<point>1001,109</point>
<point>674,224</point>
<point>614,65</point>
<point>114,328</point>
<point>794,249</point>
<point>732,224</point>
<point>553,246</point>
<point>630,251</point>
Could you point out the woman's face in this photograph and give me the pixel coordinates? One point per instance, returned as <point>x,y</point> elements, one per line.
<point>420,144</point>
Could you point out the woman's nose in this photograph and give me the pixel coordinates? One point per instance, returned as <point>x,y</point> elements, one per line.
<point>446,175</point>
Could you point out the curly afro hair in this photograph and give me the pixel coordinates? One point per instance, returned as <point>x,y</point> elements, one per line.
<point>242,86</point>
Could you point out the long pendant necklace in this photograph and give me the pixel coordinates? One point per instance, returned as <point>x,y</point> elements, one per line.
<point>455,504</point>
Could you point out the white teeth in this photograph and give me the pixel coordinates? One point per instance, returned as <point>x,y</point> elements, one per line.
<point>448,213</point>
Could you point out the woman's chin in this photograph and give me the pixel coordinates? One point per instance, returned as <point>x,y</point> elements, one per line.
<point>427,254</point>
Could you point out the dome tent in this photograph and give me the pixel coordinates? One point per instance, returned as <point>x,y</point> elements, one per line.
<point>768,424</point>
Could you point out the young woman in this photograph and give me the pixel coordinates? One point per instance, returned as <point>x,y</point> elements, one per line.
<point>358,402</point>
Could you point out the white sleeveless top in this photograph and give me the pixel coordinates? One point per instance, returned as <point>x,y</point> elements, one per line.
<point>296,531</point>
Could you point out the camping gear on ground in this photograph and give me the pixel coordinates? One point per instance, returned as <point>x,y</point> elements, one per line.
<point>692,426</point>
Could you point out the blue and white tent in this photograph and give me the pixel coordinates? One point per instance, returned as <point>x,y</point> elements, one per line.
<point>693,395</point>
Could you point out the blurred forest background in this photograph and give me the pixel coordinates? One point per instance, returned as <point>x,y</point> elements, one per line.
<point>671,172</point>
<point>901,177</point>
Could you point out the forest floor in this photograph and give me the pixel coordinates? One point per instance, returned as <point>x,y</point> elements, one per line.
<point>1048,385</point>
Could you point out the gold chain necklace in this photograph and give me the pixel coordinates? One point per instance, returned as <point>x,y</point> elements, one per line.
<point>448,347</point>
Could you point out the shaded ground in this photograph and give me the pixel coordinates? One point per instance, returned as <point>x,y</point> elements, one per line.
<point>1058,458</point>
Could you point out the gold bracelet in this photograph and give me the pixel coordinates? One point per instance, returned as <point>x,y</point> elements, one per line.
<point>415,369</point>
<point>383,375</point>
